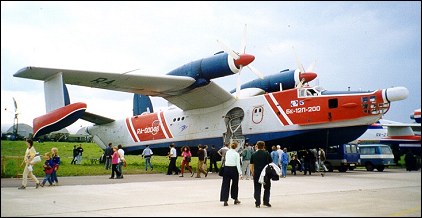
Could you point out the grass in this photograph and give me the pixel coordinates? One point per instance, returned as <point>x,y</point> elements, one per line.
<point>12,153</point>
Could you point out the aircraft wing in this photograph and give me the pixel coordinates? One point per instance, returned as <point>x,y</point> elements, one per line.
<point>205,96</point>
<point>173,88</point>
<point>153,85</point>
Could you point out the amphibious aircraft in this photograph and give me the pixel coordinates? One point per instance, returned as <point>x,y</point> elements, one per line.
<point>279,109</point>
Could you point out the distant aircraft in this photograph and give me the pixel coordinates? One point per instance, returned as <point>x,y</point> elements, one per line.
<point>278,109</point>
<point>400,136</point>
<point>416,115</point>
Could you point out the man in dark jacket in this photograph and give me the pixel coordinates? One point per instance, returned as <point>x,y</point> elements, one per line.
<point>107,154</point>
<point>213,155</point>
<point>258,162</point>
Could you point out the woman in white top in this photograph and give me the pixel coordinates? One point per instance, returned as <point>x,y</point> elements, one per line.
<point>29,155</point>
<point>232,171</point>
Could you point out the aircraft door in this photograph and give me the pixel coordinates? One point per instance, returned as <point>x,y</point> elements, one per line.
<point>233,121</point>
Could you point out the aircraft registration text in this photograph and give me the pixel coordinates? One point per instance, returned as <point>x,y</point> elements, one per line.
<point>303,110</point>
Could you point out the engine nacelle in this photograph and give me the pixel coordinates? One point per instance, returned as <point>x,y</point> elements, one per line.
<point>219,65</point>
<point>287,79</point>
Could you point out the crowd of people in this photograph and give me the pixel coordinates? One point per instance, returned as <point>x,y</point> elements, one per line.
<point>250,162</point>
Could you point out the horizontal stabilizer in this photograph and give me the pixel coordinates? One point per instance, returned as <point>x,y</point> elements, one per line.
<point>97,119</point>
<point>58,119</point>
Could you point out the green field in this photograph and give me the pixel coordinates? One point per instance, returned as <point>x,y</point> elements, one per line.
<point>12,153</point>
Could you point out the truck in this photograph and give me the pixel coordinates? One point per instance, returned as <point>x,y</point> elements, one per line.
<point>342,157</point>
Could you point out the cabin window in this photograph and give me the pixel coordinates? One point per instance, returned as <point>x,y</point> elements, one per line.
<point>178,119</point>
<point>333,103</point>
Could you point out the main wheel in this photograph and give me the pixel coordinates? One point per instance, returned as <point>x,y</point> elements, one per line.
<point>369,167</point>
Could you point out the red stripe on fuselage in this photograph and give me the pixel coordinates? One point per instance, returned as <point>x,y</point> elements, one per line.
<point>275,109</point>
<point>130,130</point>
<point>166,128</point>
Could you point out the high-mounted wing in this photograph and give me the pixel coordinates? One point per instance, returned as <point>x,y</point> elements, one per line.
<point>153,85</point>
<point>174,88</point>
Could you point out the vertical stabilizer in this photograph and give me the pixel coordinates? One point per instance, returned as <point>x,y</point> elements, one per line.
<point>54,93</point>
<point>141,104</point>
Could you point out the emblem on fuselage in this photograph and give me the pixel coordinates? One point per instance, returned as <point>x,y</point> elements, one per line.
<point>153,129</point>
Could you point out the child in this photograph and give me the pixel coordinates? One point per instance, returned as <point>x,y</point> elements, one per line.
<point>48,169</point>
<point>294,163</point>
<point>56,163</point>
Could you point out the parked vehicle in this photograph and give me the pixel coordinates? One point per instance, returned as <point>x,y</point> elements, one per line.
<point>342,157</point>
<point>376,156</point>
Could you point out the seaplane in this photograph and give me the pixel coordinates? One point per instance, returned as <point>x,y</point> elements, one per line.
<point>280,109</point>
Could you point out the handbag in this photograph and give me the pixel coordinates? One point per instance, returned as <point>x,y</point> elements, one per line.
<point>36,159</point>
<point>221,170</point>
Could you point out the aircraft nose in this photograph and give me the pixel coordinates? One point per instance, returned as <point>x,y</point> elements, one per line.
<point>396,93</point>
<point>244,60</point>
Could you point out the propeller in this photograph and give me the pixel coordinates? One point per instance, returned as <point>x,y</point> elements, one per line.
<point>304,76</point>
<point>16,105</point>
<point>15,121</point>
<point>241,59</point>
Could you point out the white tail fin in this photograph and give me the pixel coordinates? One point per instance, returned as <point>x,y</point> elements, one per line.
<point>54,92</point>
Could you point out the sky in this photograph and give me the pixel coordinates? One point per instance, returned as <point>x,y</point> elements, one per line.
<point>356,46</point>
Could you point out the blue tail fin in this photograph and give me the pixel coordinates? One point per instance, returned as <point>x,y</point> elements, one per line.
<point>141,104</point>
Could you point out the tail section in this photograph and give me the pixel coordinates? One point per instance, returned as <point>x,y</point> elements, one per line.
<point>55,93</point>
<point>141,104</point>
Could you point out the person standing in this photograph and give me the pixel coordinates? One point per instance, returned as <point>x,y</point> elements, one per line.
<point>186,158</point>
<point>27,159</point>
<point>147,154</point>
<point>114,163</point>
<point>79,157</point>
<point>321,160</point>
<point>55,158</point>
<point>75,155</point>
<point>284,162</point>
<point>246,158</point>
<point>213,159</point>
<point>173,157</point>
<point>201,161</point>
<point>275,155</point>
<point>231,173</point>
<point>308,156</point>
<point>280,152</point>
<point>294,162</point>
<point>121,160</point>
<point>48,169</point>
<point>259,160</point>
<point>107,154</point>
<point>222,152</point>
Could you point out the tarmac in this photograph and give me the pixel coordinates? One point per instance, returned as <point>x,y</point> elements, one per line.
<point>358,193</point>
